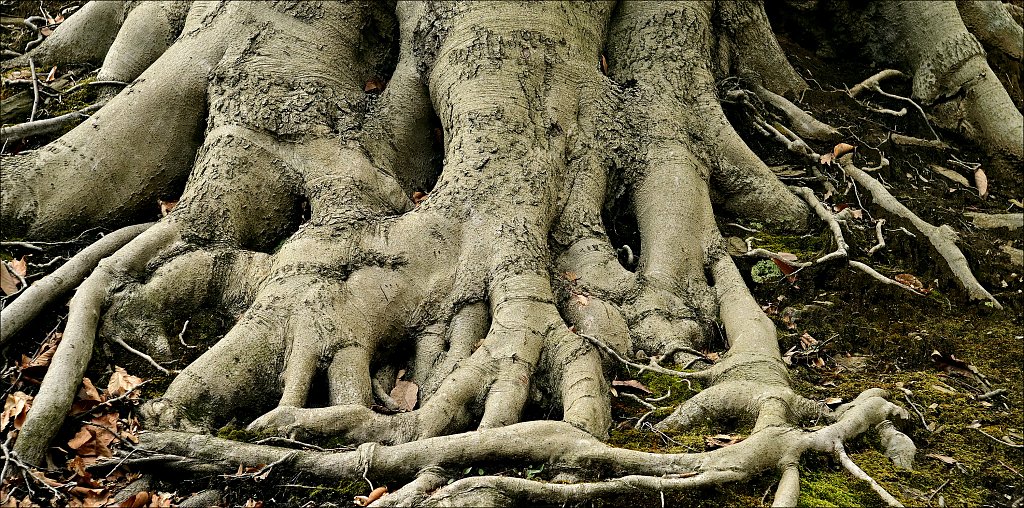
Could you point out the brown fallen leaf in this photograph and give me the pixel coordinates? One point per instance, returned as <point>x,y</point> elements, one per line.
<point>121,382</point>
<point>950,363</point>
<point>950,461</point>
<point>582,300</point>
<point>377,493</point>
<point>375,86</point>
<point>19,266</point>
<point>910,281</point>
<point>807,341</point>
<point>419,197</point>
<point>36,366</point>
<point>981,182</point>
<point>15,409</point>
<point>52,75</point>
<point>604,65</point>
<point>8,281</point>
<point>136,500</point>
<point>721,441</point>
<point>166,206</point>
<point>632,383</point>
<point>783,264</point>
<point>405,393</point>
<point>837,151</point>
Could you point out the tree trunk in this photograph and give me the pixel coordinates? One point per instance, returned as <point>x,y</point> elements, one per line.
<point>345,241</point>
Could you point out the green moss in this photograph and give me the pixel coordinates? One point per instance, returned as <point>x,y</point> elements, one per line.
<point>77,100</point>
<point>234,433</point>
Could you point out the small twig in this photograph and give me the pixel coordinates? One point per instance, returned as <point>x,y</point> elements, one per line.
<point>685,376</point>
<point>640,401</point>
<point>994,393</point>
<point>119,398</point>
<point>660,399</point>
<point>914,407</point>
<point>93,83</point>
<point>743,228</point>
<point>49,263</point>
<point>996,439</point>
<point>142,355</point>
<point>881,239</point>
<point>879,90</point>
<point>873,81</point>
<point>47,125</point>
<point>284,440</point>
<point>901,139</point>
<point>35,90</point>
<point>859,473</point>
<point>181,336</point>
<point>643,419</point>
<point>936,490</point>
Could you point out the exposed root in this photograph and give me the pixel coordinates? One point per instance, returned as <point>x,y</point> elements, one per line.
<point>57,391</point>
<point>875,81</point>
<point>942,238</point>
<point>83,38</point>
<point>44,291</point>
<point>859,473</point>
<point>802,123</point>
<point>48,125</point>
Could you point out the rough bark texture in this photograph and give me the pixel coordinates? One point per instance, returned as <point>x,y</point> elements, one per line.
<point>501,292</point>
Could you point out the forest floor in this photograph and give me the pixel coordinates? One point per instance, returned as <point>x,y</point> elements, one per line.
<point>941,357</point>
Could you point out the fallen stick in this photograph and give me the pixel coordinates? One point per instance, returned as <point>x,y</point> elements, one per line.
<point>36,297</point>
<point>943,238</point>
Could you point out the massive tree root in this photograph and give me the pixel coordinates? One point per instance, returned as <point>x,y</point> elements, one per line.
<point>499,292</point>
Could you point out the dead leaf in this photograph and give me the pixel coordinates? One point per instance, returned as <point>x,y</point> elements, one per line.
<point>910,281</point>
<point>833,401</point>
<point>853,363</point>
<point>419,197</point>
<point>8,281</point>
<point>713,356</point>
<point>252,503</point>
<point>950,174</point>
<point>405,393</point>
<point>950,363</point>
<point>571,276</point>
<point>604,65</point>
<point>784,265</point>
<point>19,266</point>
<point>582,299</point>
<point>842,149</point>
<point>166,206</point>
<point>632,383</point>
<point>837,152</point>
<point>34,367</point>
<point>375,86</point>
<point>136,500</point>
<point>15,409</point>
<point>121,383</point>
<point>721,441</point>
<point>377,493</point>
<point>981,182</point>
<point>807,341</point>
<point>46,31</point>
<point>82,437</point>
<point>950,461</point>
<point>51,75</point>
